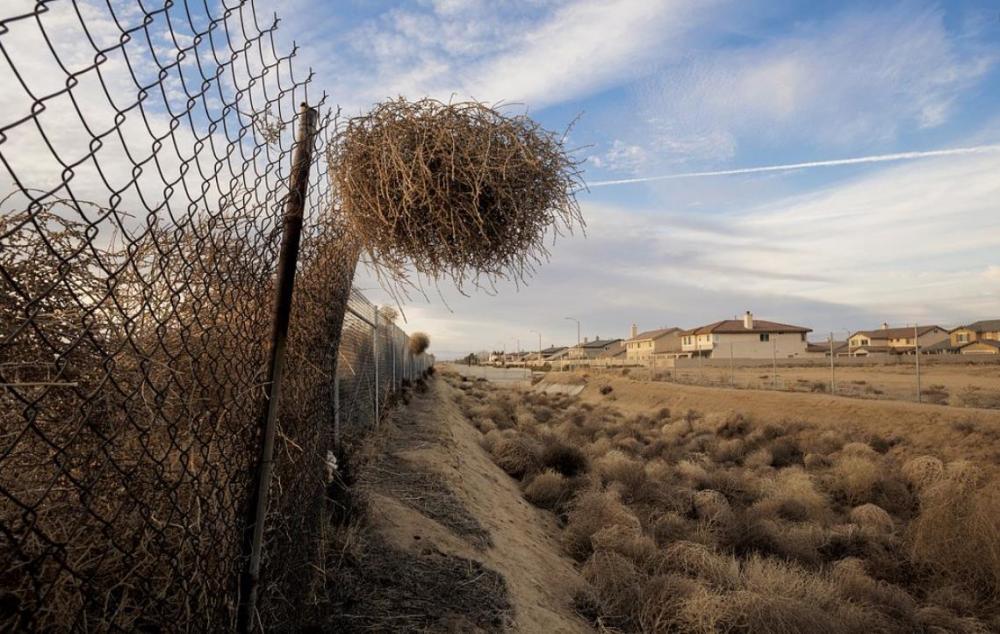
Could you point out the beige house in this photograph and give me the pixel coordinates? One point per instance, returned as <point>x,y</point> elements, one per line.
<point>986,329</point>
<point>981,346</point>
<point>591,349</point>
<point>894,340</point>
<point>745,338</point>
<point>641,346</point>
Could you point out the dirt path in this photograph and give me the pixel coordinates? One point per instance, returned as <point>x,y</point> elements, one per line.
<point>436,490</point>
<point>951,432</point>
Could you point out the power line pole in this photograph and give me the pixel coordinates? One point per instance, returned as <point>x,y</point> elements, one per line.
<point>916,351</point>
<point>833,377</point>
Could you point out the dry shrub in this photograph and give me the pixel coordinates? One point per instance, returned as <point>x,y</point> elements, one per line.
<point>419,342</point>
<point>792,494</point>
<point>936,619</point>
<point>815,461</point>
<point>670,527</point>
<point>627,542</point>
<point>854,583</point>
<point>711,506</point>
<point>873,518</point>
<point>660,601</point>
<point>699,561</point>
<point>615,466</point>
<point>568,460</point>
<point>549,490</point>
<point>748,611</point>
<point>518,456</point>
<point>730,450</point>
<point>449,188</point>
<point>853,477</point>
<point>592,511</point>
<point>691,472</point>
<point>957,532</point>
<point>617,585</point>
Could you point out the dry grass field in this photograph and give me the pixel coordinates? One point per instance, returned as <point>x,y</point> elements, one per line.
<point>971,385</point>
<point>693,509</point>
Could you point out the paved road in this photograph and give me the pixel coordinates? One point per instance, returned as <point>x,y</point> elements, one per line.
<point>504,377</point>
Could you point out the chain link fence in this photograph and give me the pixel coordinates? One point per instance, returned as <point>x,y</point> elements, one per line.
<point>147,155</point>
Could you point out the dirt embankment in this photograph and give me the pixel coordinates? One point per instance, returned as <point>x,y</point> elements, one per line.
<point>453,535</point>
<point>952,432</point>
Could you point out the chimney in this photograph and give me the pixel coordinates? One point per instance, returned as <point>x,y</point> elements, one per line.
<point>748,320</point>
<point>885,326</point>
<point>634,332</point>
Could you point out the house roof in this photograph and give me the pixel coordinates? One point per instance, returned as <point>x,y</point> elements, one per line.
<point>734,326</point>
<point>553,350</point>
<point>989,342</point>
<point>984,325</point>
<point>824,346</point>
<point>896,333</point>
<point>940,346</point>
<point>596,343</point>
<point>653,334</point>
<point>615,350</point>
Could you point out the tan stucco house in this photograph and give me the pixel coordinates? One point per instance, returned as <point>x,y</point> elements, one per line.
<point>894,340</point>
<point>980,346</point>
<point>591,349</point>
<point>641,346</point>
<point>746,338</point>
<point>985,329</point>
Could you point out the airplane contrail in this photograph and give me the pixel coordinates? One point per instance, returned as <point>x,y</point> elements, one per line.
<point>877,158</point>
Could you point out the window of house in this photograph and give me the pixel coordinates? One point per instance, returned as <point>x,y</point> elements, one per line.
<point>764,336</point>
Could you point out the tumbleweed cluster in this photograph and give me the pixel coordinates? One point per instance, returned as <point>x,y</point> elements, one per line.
<point>455,190</point>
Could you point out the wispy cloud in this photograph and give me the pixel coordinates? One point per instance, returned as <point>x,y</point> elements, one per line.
<point>859,79</point>
<point>533,53</point>
<point>787,167</point>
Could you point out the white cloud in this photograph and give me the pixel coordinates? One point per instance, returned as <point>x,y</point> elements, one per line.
<point>913,242</point>
<point>536,53</point>
<point>857,80</point>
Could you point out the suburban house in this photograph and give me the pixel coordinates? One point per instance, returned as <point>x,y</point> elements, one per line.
<point>746,338</point>
<point>641,346</point>
<point>980,346</point>
<point>615,352</point>
<point>822,348</point>
<point>590,349</point>
<point>894,340</point>
<point>552,351</point>
<point>977,331</point>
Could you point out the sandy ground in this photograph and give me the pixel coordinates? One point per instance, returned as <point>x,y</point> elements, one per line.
<point>889,381</point>
<point>502,377</point>
<point>435,436</point>
<point>951,432</point>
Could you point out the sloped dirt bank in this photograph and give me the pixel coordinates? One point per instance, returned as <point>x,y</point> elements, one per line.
<point>441,539</point>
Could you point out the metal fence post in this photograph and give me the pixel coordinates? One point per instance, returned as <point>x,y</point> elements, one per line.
<point>287,261</point>
<point>375,355</point>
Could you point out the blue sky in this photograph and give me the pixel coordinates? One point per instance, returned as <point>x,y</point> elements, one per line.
<point>664,87</point>
<point>678,86</point>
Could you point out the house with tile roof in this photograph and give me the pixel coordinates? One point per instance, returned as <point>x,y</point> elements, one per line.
<point>976,331</point>
<point>591,349</point>
<point>888,340</point>
<point>641,347</point>
<point>980,346</point>
<point>746,338</point>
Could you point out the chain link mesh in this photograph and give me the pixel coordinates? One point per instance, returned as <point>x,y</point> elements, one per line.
<point>147,153</point>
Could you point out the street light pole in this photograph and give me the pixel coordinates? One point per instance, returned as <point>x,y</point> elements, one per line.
<point>833,377</point>
<point>577,328</point>
<point>916,352</point>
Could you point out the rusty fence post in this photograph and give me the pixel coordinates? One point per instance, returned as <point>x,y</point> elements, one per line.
<point>287,261</point>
